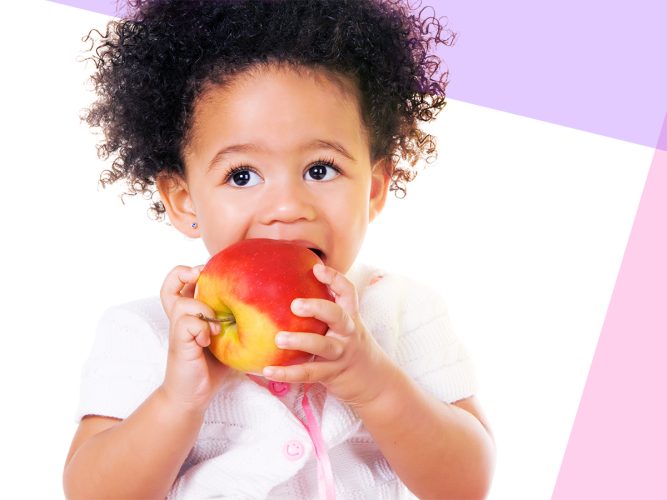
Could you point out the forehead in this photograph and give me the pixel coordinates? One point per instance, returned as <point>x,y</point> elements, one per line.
<point>279,108</point>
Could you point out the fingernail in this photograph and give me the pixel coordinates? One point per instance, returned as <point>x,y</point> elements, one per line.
<point>215,327</point>
<point>282,339</point>
<point>269,372</point>
<point>298,306</point>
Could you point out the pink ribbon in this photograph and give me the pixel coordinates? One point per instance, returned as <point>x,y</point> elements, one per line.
<point>325,479</point>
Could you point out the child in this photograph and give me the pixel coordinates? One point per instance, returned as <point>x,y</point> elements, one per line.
<point>290,120</point>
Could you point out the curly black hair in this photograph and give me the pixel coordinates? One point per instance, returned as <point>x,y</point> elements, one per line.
<point>152,64</point>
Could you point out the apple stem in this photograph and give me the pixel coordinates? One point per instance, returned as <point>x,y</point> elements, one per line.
<point>225,319</point>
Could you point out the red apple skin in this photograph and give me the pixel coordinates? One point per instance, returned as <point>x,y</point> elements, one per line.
<point>256,281</point>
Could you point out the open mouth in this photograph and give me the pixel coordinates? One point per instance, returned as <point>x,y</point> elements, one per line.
<point>310,245</point>
<point>317,252</point>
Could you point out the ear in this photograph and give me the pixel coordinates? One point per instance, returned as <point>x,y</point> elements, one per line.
<point>175,196</point>
<point>380,178</point>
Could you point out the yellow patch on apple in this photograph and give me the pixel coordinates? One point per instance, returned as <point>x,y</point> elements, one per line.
<point>251,285</point>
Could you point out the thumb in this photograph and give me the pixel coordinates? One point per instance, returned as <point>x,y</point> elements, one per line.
<point>189,289</point>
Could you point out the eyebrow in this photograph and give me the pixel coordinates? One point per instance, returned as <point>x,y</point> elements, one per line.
<point>250,148</point>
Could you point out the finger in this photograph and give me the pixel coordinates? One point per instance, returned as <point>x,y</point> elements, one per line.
<point>176,281</point>
<point>327,348</point>
<point>193,307</point>
<point>188,329</point>
<point>344,289</point>
<point>189,290</point>
<point>329,312</point>
<point>311,372</point>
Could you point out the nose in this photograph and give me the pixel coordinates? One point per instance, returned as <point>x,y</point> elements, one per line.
<point>287,201</point>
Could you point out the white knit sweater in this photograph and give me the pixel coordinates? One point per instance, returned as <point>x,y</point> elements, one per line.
<point>252,444</point>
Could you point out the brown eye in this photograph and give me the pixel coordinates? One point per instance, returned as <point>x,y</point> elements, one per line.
<point>322,172</point>
<point>243,177</point>
<point>318,172</point>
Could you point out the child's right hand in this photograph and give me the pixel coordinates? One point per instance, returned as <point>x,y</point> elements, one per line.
<point>193,375</point>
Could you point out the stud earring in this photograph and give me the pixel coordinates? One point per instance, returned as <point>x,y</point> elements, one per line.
<point>195,225</point>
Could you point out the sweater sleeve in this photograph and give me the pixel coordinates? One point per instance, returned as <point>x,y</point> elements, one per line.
<point>127,361</point>
<point>411,323</point>
<point>428,349</point>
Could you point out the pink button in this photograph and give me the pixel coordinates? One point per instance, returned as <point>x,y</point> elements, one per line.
<point>376,279</point>
<point>293,450</point>
<point>278,388</point>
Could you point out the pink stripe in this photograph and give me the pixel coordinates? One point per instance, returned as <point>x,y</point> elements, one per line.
<point>618,445</point>
<point>324,473</point>
<point>325,481</point>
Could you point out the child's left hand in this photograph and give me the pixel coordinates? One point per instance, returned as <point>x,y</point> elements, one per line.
<point>348,362</point>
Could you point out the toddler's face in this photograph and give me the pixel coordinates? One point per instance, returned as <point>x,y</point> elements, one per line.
<point>279,155</point>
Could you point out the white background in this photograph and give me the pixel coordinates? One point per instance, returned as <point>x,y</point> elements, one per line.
<point>521,225</point>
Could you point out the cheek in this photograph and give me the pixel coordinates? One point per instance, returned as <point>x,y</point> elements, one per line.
<point>348,223</point>
<point>348,213</point>
<point>354,196</point>
<point>222,224</point>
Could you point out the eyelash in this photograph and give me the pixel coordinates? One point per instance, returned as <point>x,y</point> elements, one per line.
<point>327,162</point>
<point>241,167</point>
<point>234,169</point>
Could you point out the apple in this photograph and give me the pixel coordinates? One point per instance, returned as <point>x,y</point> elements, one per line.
<point>250,285</point>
